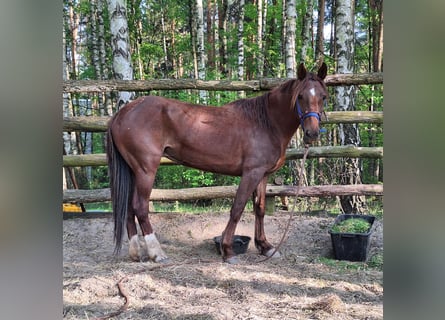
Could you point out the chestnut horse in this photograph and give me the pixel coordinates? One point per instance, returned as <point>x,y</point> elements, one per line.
<point>246,138</point>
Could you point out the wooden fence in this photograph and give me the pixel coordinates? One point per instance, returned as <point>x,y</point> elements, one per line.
<point>99,124</point>
<point>209,85</point>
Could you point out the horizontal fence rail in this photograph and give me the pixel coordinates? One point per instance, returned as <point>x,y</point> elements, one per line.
<point>100,159</point>
<point>76,86</point>
<point>99,124</point>
<point>103,195</point>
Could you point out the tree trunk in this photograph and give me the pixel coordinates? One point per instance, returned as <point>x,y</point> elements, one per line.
<point>106,97</point>
<point>222,33</point>
<point>72,22</point>
<point>210,35</point>
<point>307,32</point>
<point>263,39</point>
<point>260,31</point>
<point>200,48</point>
<point>93,39</point>
<point>319,47</point>
<point>241,3</point>
<point>121,47</point>
<point>165,64</point>
<point>137,34</point>
<point>193,39</point>
<point>66,103</point>
<point>376,21</point>
<point>376,43</point>
<point>290,25</point>
<point>349,133</point>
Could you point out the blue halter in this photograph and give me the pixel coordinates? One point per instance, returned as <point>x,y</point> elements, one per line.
<point>306,115</point>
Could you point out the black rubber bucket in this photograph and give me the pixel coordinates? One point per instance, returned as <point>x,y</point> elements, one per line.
<point>351,246</point>
<point>239,244</point>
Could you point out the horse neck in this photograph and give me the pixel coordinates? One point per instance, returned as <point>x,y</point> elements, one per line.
<point>282,115</point>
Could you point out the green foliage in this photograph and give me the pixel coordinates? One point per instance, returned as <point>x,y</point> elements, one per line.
<point>198,178</point>
<point>175,31</point>
<point>344,265</point>
<point>353,225</point>
<point>376,262</point>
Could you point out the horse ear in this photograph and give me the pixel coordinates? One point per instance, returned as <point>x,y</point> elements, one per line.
<point>323,71</point>
<point>301,72</point>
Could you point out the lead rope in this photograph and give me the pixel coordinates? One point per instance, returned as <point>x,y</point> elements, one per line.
<point>291,213</point>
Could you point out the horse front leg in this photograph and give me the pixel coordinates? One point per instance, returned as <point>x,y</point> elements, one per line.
<point>259,204</point>
<point>245,189</point>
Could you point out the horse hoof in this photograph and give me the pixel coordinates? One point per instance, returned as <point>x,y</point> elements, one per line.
<point>162,260</point>
<point>272,253</point>
<point>232,260</point>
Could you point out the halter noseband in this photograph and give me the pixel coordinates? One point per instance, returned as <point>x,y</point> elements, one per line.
<point>305,115</point>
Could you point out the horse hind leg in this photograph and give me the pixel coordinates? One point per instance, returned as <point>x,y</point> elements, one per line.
<point>137,249</point>
<point>150,247</point>
<point>134,249</point>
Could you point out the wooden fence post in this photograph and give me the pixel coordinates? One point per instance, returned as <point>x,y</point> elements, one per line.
<point>270,205</point>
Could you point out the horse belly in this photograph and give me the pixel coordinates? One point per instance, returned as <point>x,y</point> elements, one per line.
<point>215,160</point>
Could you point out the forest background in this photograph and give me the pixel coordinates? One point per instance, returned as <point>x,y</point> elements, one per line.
<point>226,40</point>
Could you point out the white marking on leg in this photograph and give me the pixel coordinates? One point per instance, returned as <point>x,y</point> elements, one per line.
<point>271,252</point>
<point>312,91</point>
<point>134,248</point>
<point>154,248</point>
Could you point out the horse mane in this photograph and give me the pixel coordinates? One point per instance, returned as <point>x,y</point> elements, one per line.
<point>255,109</point>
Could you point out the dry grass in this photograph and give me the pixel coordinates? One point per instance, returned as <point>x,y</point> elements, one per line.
<point>197,285</point>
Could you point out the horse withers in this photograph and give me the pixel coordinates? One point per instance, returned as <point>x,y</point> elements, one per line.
<point>246,138</point>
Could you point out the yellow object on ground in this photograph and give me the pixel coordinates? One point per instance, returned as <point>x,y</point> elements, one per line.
<point>71,207</point>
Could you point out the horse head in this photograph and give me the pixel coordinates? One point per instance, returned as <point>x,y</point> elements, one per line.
<point>311,96</point>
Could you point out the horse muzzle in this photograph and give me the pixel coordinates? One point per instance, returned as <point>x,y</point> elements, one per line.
<point>310,136</point>
<point>312,129</point>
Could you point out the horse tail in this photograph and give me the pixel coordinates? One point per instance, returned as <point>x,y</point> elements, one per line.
<point>121,182</point>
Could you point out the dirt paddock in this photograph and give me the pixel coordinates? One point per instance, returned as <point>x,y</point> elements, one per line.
<point>197,285</point>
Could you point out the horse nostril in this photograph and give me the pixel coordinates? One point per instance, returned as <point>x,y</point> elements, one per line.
<point>311,134</point>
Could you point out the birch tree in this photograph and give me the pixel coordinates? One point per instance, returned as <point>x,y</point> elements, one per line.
<point>66,105</point>
<point>200,48</point>
<point>120,44</point>
<point>348,133</point>
<point>241,3</point>
<point>71,22</point>
<point>289,40</point>
<point>260,32</point>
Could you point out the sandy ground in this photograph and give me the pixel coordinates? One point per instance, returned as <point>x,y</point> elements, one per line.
<point>197,285</point>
